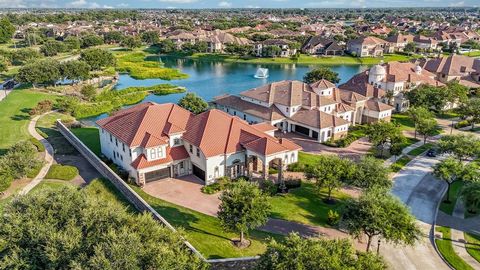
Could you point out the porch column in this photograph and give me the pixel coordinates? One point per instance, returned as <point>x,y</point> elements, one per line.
<point>280,175</point>
<point>265,170</point>
<point>140,179</point>
<point>247,166</point>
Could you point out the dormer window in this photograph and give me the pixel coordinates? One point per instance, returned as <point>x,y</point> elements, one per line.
<point>156,153</point>
<point>176,141</point>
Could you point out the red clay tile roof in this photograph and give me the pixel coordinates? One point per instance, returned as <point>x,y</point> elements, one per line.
<point>359,84</point>
<point>132,125</point>
<point>377,106</point>
<point>317,119</point>
<point>150,140</point>
<point>287,93</point>
<point>264,126</point>
<point>173,153</point>
<point>216,132</point>
<point>322,84</point>
<point>268,114</point>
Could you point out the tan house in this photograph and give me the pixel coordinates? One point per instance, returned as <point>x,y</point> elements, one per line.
<point>368,47</point>
<point>464,69</point>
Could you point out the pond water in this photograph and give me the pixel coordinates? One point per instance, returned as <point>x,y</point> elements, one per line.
<point>209,79</point>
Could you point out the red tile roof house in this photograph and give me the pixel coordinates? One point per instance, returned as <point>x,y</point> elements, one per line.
<point>393,77</point>
<point>319,110</point>
<point>154,141</point>
<point>368,47</point>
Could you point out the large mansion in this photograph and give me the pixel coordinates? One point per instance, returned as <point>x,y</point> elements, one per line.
<point>154,141</point>
<point>319,110</point>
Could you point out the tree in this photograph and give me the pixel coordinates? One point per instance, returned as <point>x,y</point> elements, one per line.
<point>418,114</point>
<point>456,93</point>
<point>428,96</point>
<point>52,48</point>
<point>448,170</point>
<point>382,134</point>
<point>378,213</point>
<point>470,194</point>
<point>166,46</point>
<point>271,51</point>
<point>410,48</point>
<point>97,58</point>
<point>44,71</point>
<point>23,56</point>
<point>316,254</point>
<point>243,207</point>
<point>150,37</point>
<point>329,172</point>
<point>471,110</point>
<point>88,91</point>
<point>113,37</point>
<point>131,42</point>
<point>471,172</point>
<point>72,43</point>
<point>461,146</point>
<point>427,127</point>
<point>193,103</point>
<point>371,173</point>
<point>75,70</point>
<point>91,40</point>
<point>6,30</point>
<point>3,64</point>
<point>81,229</point>
<point>321,73</point>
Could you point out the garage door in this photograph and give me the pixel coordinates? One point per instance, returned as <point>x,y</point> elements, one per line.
<point>198,172</point>
<point>157,175</point>
<point>302,130</point>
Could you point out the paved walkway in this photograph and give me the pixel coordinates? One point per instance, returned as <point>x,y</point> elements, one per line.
<point>4,94</point>
<point>48,155</point>
<point>458,237</point>
<point>420,191</point>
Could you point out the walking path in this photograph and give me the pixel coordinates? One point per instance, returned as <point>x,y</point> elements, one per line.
<point>48,155</point>
<point>4,94</point>
<point>458,237</point>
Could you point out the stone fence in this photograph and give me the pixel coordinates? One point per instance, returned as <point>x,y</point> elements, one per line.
<point>141,205</point>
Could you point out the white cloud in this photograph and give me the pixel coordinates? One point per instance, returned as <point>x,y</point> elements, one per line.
<point>457,4</point>
<point>252,6</point>
<point>78,3</point>
<point>122,5</point>
<point>224,4</point>
<point>178,1</point>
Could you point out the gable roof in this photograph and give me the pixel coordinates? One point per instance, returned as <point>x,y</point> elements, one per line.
<point>318,119</point>
<point>453,65</point>
<point>287,93</point>
<point>146,124</point>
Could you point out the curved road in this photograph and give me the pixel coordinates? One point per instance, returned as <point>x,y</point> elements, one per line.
<point>420,191</point>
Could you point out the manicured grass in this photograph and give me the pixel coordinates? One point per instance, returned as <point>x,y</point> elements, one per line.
<point>400,163</point>
<point>62,172</point>
<point>447,114</point>
<point>304,160</point>
<point>403,121</point>
<point>303,59</point>
<point>205,232</point>
<point>90,137</point>
<point>140,65</point>
<point>14,117</point>
<point>419,150</point>
<point>454,192</point>
<point>473,245</point>
<point>306,205</point>
<point>50,184</point>
<point>445,247</point>
<point>46,127</point>
<point>473,54</point>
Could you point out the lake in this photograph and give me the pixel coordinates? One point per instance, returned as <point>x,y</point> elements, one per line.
<point>209,79</point>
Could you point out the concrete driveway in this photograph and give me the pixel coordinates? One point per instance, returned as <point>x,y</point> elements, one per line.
<point>420,191</point>
<point>184,191</point>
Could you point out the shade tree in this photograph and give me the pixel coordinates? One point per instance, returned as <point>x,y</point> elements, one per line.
<point>321,73</point>
<point>461,146</point>
<point>449,170</point>
<point>97,58</point>
<point>193,103</point>
<point>383,134</point>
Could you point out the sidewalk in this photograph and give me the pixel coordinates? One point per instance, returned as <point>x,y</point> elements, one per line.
<point>409,148</point>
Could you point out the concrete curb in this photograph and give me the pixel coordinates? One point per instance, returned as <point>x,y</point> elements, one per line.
<point>432,232</point>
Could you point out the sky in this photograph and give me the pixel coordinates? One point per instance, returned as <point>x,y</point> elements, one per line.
<point>233,3</point>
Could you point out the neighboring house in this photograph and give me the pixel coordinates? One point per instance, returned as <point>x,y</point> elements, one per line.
<point>217,41</point>
<point>319,110</point>
<point>367,47</point>
<point>318,45</point>
<point>282,46</point>
<point>464,69</point>
<point>388,82</point>
<point>399,41</point>
<point>156,141</point>
<point>425,43</point>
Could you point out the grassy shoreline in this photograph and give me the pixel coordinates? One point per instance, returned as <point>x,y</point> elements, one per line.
<point>303,59</point>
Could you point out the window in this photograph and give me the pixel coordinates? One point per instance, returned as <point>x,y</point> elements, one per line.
<point>198,152</point>
<point>228,110</point>
<point>123,147</point>
<point>234,113</point>
<point>116,142</point>
<point>176,141</point>
<point>159,152</point>
<point>111,140</point>
<point>191,149</point>
<point>121,157</point>
<point>244,117</point>
<point>103,131</point>
<point>181,165</point>
<point>292,158</point>
<point>113,154</point>
<point>286,109</point>
<point>153,154</point>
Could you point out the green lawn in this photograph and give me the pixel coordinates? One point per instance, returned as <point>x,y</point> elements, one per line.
<point>400,163</point>
<point>473,245</point>
<point>445,247</point>
<point>454,190</point>
<point>473,54</point>
<point>447,114</point>
<point>419,150</point>
<point>403,120</point>
<point>303,59</point>
<point>14,117</point>
<point>205,232</point>
<point>90,137</point>
<point>46,128</point>
<point>305,205</point>
<point>62,172</point>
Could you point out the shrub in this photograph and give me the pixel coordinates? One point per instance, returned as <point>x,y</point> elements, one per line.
<point>462,124</point>
<point>211,189</point>
<point>296,167</point>
<point>333,217</point>
<point>42,107</point>
<point>62,172</point>
<point>224,182</point>
<point>34,171</point>
<point>292,183</point>
<point>40,147</point>
<point>269,187</point>
<point>88,91</point>
<point>5,181</point>
<point>272,171</point>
